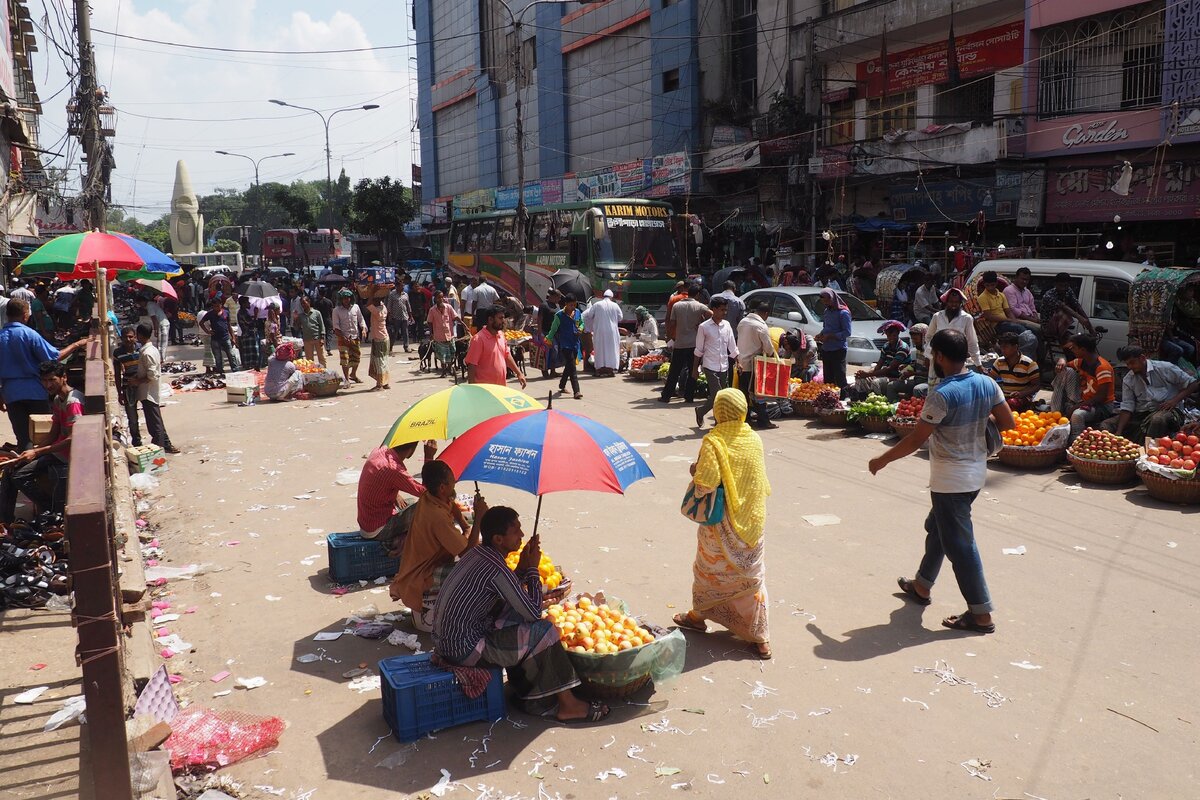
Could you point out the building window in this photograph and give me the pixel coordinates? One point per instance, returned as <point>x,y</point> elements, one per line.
<point>841,123</point>
<point>670,80</point>
<point>1105,63</point>
<point>744,51</point>
<point>896,112</point>
<point>969,101</point>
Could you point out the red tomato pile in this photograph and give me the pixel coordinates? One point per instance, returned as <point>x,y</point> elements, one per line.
<point>1178,452</point>
<point>910,408</point>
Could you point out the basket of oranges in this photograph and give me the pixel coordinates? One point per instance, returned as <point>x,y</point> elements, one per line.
<point>802,396</point>
<point>1038,441</point>
<point>614,655</point>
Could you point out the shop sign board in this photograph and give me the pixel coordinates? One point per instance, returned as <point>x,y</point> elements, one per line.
<point>979,53</point>
<point>1083,192</point>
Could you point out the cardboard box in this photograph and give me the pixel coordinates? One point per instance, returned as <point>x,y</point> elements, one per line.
<point>147,458</point>
<point>39,429</point>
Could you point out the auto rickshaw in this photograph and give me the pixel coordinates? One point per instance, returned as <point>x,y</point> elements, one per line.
<point>890,277</point>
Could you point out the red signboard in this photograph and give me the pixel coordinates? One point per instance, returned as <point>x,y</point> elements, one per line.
<point>979,53</point>
<point>1082,191</point>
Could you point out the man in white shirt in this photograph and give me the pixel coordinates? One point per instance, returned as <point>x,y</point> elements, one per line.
<point>485,295</point>
<point>149,371</point>
<point>754,339</point>
<point>452,294</point>
<point>925,301</point>
<point>21,292</point>
<point>952,317</point>
<point>466,299</point>
<point>715,347</point>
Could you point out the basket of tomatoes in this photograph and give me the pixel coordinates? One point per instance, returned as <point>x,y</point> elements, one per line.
<point>1168,469</point>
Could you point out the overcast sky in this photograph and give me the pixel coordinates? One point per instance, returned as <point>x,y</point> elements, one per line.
<point>219,100</point>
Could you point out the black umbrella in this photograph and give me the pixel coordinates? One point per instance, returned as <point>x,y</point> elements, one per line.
<point>573,283</point>
<point>332,277</point>
<point>258,289</point>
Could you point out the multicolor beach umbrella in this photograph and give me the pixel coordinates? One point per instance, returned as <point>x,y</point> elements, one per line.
<point>79,255</point>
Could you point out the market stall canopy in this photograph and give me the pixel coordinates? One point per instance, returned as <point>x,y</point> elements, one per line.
<point>453,411</point>
<point>79,255</point>
<point>573,283</point>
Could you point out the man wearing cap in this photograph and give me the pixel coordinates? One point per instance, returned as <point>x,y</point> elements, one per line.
<point>601,319</point>
<point>953,317</point>
<point>349,325</point>
<point>894,356</point>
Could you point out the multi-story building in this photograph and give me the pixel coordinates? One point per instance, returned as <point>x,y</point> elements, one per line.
<point>20,111</point>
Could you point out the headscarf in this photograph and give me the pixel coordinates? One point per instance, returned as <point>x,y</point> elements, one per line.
<point>891,324</point>
<point>285,352</point>
<point>829,294</point>
<point>345,293</point>
<point>641,312</point>
<point>953,290</point>
<point>920,328</point>
<point>731,456</point>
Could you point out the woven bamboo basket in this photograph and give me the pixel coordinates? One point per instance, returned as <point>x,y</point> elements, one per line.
<point>1107,472</point>
<point>875,424</point>
<point>603,691</point>
<point>803,408</point>
<point>836,418</point>
<point>1181,491</point>
<point>1029,457</point>
<point>644,376</point>
<point>901,428</point>
<point>327,388</point>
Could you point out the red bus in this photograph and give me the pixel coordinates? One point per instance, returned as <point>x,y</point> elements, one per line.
<point>296,247</point>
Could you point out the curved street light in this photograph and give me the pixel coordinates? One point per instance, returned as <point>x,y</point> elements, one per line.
<point>256,162</point>
<point>325,119</point>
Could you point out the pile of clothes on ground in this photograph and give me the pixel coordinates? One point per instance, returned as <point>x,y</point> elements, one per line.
<point>33,562</point>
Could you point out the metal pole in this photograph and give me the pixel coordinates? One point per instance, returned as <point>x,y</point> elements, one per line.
<point>810,96</point>
<point>518,72</point>
<point>328,176</point>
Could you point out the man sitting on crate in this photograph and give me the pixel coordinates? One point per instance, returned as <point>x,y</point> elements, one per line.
<point>382,486</point>
<point>437,534</point>
<point>489,615</point>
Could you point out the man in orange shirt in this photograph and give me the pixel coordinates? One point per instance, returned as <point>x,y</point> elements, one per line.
<point>1083,387</point>
<point>442,318</point>
<point>488,357</point>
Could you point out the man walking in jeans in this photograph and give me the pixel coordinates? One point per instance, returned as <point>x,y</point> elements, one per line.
<point>683,320</point>
<point>715,349</point>
<point>954,420</point>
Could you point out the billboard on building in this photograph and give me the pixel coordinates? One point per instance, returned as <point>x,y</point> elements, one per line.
<point>979,53</point>
<point>7,82</point>
<point>1081,191</point>
<point>959,201</point>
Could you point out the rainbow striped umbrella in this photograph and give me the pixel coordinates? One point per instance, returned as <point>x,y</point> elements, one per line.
<point>453,411</point>
<point>79,255</point>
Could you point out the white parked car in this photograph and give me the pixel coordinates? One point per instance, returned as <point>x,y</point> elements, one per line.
<point>800,308</point>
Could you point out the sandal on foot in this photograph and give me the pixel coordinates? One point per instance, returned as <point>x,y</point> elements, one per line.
<point>579,395</point>
<point>761,649</point>
<point>596,712</point>
<point>687,621</point>
<point>966,622</point>
<point>910,592</point>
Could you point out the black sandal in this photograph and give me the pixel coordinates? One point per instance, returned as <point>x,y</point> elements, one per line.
<point>685,620</point>
<point>966,622</point>
<point>596,712</point>
<point>910,592</point>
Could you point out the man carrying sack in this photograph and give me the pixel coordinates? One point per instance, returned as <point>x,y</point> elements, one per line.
<point>753,342</point>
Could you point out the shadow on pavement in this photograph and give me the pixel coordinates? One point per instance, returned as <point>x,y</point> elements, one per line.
<point>903,630</point>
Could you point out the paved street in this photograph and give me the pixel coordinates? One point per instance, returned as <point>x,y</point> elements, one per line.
<point>1086,690</point>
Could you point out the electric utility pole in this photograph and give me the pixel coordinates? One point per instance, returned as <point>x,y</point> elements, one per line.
<point>87,113</point>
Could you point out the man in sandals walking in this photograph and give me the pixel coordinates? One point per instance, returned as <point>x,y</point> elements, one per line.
<point>954,421</point>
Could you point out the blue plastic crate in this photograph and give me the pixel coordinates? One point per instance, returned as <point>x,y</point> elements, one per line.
<point>419,698</point>
<point>353,558</point>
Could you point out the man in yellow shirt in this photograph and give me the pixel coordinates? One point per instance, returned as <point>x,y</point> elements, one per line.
<point>994,305</point>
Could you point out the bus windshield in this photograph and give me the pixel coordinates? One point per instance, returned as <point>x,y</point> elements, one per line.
<point>637,244</point>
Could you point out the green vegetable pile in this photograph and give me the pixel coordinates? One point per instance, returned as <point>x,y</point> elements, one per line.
<point>876,405</point>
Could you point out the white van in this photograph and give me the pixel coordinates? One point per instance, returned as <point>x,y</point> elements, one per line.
<point>1101,286</point>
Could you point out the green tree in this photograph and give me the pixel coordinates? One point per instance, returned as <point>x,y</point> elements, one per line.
<point>300,202</point>
<point>381,206</point>
<point>223,246</point>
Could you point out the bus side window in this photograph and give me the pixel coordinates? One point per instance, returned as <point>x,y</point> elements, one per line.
<point>578,253</point>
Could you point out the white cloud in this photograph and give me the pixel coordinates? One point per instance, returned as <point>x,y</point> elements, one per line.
<point>195,86</point>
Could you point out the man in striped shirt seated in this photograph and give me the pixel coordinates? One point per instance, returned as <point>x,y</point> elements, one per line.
<point>1018,374</point>
<point>489,615</point>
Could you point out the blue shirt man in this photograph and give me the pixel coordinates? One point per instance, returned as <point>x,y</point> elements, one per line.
<point>22,351</point>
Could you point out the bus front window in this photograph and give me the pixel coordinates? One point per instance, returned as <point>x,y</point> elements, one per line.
<point>638,244</point>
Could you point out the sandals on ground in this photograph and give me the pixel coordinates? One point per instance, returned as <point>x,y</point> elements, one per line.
<point>686,620</point>
<point>761,649</point>
<point>966,622</point>
<point>910,592</point>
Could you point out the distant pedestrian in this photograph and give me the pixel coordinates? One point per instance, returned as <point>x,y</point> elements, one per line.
<point>349,326</point>
<point>683,321</point>
<point>249,347</point>
<point>222,339</point>
<point>399,312</point>
<point>149,373</point>
<point>488,357</point>
<point>380,344</point>
<point>834,338</point>
<point>564,336</point>
<point>310,326</point>
<point>954,421</point>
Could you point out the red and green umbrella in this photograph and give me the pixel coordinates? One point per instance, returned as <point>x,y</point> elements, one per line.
<point>80,255</point>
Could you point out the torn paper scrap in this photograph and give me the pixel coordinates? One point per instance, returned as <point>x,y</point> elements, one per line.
<point>251,683</point>
<point>1025,665</point>
<point>821,520</point>
<point>615,772</point>
<point>1014,551</point>
<point>440,788</point>
<point>27,697</point>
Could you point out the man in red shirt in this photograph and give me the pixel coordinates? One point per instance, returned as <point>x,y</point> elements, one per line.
<point>383,479</point>
<point>488,357</point>
<point>1084,387</point>
<point>25,472</point>
<point>442,318</point>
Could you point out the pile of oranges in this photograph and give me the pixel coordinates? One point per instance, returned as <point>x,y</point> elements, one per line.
<point>308,367</point>
<point>549,574</point>
<point>586,627</point>
<point>1031,428</point>
<point>805,392</point>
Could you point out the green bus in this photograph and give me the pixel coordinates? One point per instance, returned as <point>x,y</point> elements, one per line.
<point>626,245</point>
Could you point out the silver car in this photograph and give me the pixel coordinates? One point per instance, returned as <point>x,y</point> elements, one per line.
<point>800,308</point>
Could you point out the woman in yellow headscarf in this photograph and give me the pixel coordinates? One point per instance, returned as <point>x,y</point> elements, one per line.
<point>728,585</point>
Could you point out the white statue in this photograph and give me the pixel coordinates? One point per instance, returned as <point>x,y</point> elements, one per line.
<point>187,223</point>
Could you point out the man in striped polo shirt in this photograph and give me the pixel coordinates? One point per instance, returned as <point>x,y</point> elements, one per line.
<point>1018,375</point>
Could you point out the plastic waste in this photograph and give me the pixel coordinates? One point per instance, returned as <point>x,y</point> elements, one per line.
<point>143,482</point>
<point>73,708</point>
<point>347,477</point>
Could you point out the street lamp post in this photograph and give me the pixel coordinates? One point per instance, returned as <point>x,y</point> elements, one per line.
<point>256,162</point>
<point>326,117</point>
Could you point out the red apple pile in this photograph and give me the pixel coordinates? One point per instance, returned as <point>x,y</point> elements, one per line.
<point>910,410</point>
<point>1097,445</point>
<point>1180,451</point>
